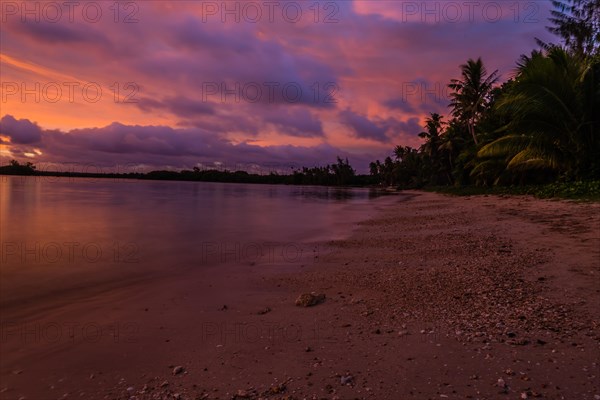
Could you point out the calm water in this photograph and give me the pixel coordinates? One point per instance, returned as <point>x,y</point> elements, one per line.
<point>57,230</point>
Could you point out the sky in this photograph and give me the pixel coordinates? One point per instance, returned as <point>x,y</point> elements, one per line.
<point>253,85</point>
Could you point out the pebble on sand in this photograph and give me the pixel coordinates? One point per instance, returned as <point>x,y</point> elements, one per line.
<point>310,299</point>
<point>178,370</point>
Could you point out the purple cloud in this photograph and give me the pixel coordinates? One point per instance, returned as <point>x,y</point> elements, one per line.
<point>20,131</point>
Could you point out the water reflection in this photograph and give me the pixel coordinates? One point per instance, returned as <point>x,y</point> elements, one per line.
<point>69,231</point>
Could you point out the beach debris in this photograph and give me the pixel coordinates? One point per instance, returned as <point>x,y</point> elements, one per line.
<point>310,299</point>
<point>502,385</point>
<point>244,394</point>
<point>264,311</point>
<point>519,342</point>
<point>277,389</point>
<point>346,379</point>
<point>178,370</point>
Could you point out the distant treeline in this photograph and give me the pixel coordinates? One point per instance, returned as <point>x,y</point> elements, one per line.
<point>339,174</point>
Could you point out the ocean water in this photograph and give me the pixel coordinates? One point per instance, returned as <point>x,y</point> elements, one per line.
<point>74,232</point>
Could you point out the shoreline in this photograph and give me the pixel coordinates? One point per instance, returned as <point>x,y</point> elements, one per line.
<point>434,297</point>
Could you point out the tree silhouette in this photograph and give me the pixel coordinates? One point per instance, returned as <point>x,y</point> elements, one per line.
<point>470,98</point>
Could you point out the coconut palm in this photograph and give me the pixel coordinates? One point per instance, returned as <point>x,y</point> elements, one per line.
<point>577,22</point>
<point>432,135</point>
<point>554,125</point>
<point>471,94</point>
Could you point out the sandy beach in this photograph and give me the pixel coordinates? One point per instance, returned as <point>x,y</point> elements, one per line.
<point>436,297</point>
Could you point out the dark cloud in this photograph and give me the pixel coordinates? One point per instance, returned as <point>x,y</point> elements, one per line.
<point>71,33</point>
<point>180,106</point>
<point>20,131</point>
<point>295,122</point>
<point>363,127</point>
<point>160,146</point>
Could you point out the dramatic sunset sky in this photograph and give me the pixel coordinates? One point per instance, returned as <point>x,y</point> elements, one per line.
<point>152,84</point>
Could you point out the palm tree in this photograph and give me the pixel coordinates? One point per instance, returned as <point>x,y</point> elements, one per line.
<point>471,94</point>
<point>451,144</point>
<point>431,148</point>
<point>577,22</point>
<point>432,134</point>
<point>554,124</point>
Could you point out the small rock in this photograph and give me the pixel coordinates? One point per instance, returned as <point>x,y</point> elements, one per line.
<point>276,389</point>
<point>346,380</point>
<point>264,311</point>
<point>244,394</point>
<point>164,384</point>
<point>310,299</point>
<point>178,370</point>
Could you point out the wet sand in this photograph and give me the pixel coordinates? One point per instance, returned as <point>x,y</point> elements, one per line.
<point>436,297</point>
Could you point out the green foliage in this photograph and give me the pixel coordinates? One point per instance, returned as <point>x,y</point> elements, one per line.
<point>471,94</point>
<point>537,129</point>
<point>577,22</point>
<point>553,127</point>
<point>578,190</point>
